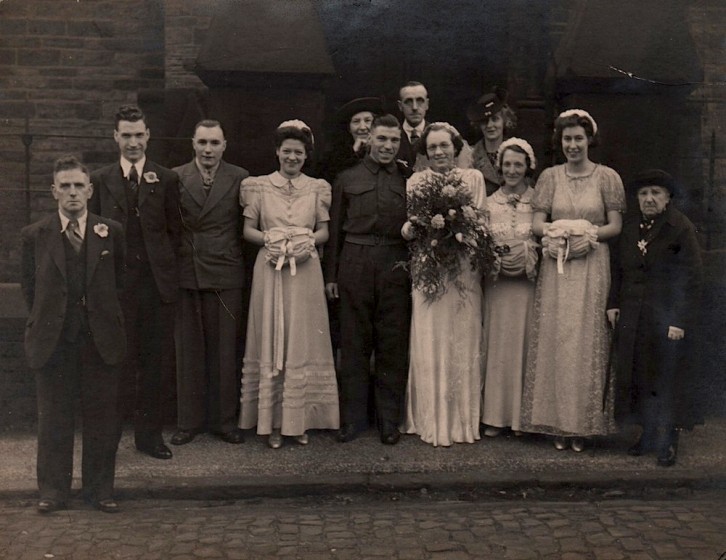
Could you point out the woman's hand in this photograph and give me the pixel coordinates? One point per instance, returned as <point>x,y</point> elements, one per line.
<point>613,316</point>
<point>407,231</point>
<point>676,333</point>
<point>331,290</point>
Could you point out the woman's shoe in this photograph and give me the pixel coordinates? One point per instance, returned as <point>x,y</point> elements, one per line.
<point>302,440</point>
<point>560,443</point>
<point>275,440</point>
<point>492,431</point>
<point>578,444</point>
<point>517,433</point>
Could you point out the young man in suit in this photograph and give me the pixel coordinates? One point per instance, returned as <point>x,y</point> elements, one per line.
<point>209,313</point>
<point>144,198</point>
<point>413,102</point>
<point>72,265</point>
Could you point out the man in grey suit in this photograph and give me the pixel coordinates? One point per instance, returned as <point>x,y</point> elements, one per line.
<point>208,323</point>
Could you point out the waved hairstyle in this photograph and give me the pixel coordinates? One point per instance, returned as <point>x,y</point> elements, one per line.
<point>130,113</point>
<point>528,162</point>
<point>293,133</point>
<point>561,123</point>
<point>456,140</point>
<point>209,123</point>
<point>67,163</point>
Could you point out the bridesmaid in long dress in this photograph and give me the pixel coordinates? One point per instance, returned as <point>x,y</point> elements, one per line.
<point>577,206</point>
<point>509,295</point>
<point>443,395</point>
<point>288,378</point>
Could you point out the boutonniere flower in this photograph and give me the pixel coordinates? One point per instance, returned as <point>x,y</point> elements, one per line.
<point>402,162</point>
<point>643,246</point>
<point>101,230</point>
<point>151,177</point>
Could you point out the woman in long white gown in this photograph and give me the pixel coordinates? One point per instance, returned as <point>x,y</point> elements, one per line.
<point>443,394</point>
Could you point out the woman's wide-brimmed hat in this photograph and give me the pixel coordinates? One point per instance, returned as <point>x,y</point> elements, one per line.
<point>654,177</point>
<point>487,105</point>
<point>371,104</point>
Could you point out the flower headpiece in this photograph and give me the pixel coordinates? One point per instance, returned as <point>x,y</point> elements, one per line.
<point>300,125</point>
<point>580,113</point>
<point>446,126</point>
<point>509,142</point>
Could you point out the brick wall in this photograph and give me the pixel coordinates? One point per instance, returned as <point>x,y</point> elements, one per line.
<point>66,66</point>
<point>186,24</point>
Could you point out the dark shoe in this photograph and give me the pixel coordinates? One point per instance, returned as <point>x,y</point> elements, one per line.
<point>560,443</point>
<point>390,435</point>
<point>347,432</point>
<point>233,436</point>
<point>638,449</point>
<point>182,437</point>
<point>157,451</point>
<point>47,505</point>
<point>578,444</point>
<point>667,456</point>
<point>107,506</point>
<point>274,440</point>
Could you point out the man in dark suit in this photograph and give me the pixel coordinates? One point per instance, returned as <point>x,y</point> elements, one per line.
<point>144,198</point>
<point>209,314</point>
<point>72,265</point>
<point>413,102</point>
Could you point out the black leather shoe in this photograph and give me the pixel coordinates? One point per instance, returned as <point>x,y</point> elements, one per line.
<point>182,437</point>
<point>157,451</point>
<point>233,436</point>
<point>347,432</point>
<point>47,505</point>
<point>390,435</point>
<point>667,456</point>
<point>107,506</point>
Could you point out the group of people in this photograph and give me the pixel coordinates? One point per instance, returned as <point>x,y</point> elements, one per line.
<point>141,261</point>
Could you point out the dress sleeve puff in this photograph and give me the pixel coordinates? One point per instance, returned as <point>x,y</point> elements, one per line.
<point>475,180</point>
<point>544,191</point>
<point>323,198</point>
<point>613,193</point>
<point>250,195</point>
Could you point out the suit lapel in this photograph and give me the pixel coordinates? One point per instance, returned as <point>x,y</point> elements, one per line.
<point>191,181</point>
<point>222,183</point>
<point>53,240</point>
<point>116,184</point>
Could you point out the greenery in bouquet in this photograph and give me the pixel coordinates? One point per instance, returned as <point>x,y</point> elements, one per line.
<point>450,233</point>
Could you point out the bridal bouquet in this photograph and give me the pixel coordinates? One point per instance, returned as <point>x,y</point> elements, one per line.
<point>450,233</point>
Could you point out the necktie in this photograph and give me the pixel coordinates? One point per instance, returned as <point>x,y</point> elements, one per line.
<point>414,136</point>
<point>74,235</point>
<point>133,178</point>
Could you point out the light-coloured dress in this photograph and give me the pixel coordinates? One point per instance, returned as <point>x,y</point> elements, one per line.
<point>443,394</point>
<point>567,361</point>
<point>508,312</point>
<point>287,318</point>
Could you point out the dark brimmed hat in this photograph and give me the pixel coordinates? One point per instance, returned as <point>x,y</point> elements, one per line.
<point>654,177</point>
<point>346,112</point>
<point>487,105</point>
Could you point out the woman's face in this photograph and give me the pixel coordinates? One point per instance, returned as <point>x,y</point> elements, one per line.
<point>291,155</point>
<point>493,128</point>
<point>360,125</point>
<point>575,144</point>
<point>653,200</point>
<point>514,168</point>
<point>440,150</point>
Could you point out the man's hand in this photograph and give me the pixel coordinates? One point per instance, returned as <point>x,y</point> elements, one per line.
<point>676,333</point>
<point>331,290</point>
<point>613,316</point>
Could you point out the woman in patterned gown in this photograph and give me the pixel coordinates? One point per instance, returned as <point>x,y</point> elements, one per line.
<point>509,294</point>
<point>443,395</point>
<point>288,378</point>
<point>577,207</point>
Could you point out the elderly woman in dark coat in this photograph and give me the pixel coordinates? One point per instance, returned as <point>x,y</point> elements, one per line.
<point>656,283</point>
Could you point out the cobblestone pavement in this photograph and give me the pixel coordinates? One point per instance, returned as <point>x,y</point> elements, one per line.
<point>376,526</point>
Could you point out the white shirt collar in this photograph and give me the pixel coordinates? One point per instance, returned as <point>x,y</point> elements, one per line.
<point>126,166</point>
<point>408,129</point>
<point>279,180</point>
<point>81,223</point>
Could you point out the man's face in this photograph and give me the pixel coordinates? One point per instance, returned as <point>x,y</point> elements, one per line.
<point>413,103</point>
<point>132,138</point>
<point>71,188</point>
<point>384,143</point>
<point>209,145</point>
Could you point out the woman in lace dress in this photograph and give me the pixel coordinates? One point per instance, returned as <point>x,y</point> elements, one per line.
<point>509,294</point>
<point>288,378</point>
<point>443,395</point>
<point>577,207</point>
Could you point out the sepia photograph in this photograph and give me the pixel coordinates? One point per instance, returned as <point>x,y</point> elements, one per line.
<point>357,279</point>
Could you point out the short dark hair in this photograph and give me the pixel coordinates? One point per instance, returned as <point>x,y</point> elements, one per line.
<point>294,133</point>
<point>130,113</point>
<point>517,149</point>
<point>561,123</point>
<point>412,84</point>
<point>67,163</point>
<point>386,120</point>
<point>209,123</point>
<point>456,139</point>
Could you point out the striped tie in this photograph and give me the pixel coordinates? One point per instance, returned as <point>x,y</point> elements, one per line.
<point>74,235</point>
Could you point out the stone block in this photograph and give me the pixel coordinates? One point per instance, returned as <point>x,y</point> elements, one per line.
<point>46,27</point>
<point>7,56</point>
<point>12,26</point>
<point>38,57</point>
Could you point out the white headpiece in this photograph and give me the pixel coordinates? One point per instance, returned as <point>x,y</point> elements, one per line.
<point>300,125</point>
<point>446,126</point>
<point>508,143</point>
<point>580,113</point>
